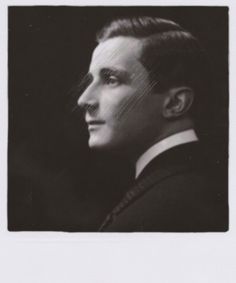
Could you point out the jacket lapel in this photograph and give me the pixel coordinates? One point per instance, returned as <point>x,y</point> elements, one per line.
<point>138,189</point>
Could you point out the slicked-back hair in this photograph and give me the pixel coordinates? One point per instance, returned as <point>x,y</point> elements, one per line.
<point>172,56</point>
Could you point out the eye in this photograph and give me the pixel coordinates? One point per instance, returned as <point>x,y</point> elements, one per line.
<point>111,80</point>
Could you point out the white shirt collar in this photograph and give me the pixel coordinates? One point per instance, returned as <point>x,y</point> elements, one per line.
<point>163,145</point>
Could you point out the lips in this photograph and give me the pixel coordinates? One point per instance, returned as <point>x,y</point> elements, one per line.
<point>94,124</point>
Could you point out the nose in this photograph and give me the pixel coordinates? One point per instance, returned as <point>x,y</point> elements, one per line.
<point>88,99</point>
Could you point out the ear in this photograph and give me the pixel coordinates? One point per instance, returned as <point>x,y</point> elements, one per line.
<point>177,101</point>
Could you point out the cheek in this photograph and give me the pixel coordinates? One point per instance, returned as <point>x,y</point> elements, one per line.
<point>141,117</point>
<point>136,103</point>
<point>115,104</point>
<point>133,111</point>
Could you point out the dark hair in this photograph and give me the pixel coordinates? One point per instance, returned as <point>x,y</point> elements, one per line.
<point>172,55</point>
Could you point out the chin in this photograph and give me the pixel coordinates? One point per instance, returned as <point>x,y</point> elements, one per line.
<point>98,144</point>
<point>112,147</point>
<point>103,144</point>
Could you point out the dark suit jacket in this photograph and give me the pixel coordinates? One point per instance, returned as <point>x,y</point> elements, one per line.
<point>175,193</point>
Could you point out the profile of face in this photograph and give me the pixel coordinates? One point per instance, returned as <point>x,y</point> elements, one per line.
<point>121,110</point>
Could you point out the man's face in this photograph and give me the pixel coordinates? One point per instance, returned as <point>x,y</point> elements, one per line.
<point>121,110</point>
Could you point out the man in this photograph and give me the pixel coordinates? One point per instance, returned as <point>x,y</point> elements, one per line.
<point>144,82</point>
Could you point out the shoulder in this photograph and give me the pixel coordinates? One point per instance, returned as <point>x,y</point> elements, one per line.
<point>179,202</point>
<point>177,192</point>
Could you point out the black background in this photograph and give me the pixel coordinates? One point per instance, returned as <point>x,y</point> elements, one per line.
<point>54,181</point>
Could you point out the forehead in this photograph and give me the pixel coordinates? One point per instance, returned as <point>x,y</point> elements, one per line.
<point>119,52</point>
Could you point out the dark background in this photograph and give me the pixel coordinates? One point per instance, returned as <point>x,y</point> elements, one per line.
<point>54,181</point>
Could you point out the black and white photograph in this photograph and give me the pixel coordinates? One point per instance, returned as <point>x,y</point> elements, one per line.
<point>118,119</point>
<point>117,141</point>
